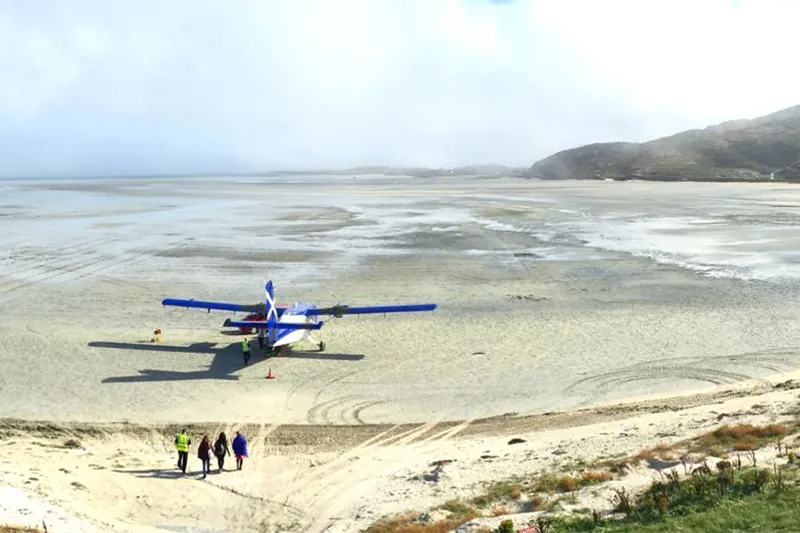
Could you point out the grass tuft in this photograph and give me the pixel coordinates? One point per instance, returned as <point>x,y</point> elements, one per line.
<point>406,524</point>
<point>661,451</point>
<point>72,443</point>
<point>742,437</point>
<point>708,500</point>
<point>551,483</point>
<point>498,492</point>
<point>457,508</point>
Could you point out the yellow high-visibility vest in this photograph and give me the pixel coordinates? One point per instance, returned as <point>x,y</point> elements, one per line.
<point>245,346</point>
<point>183,443</point>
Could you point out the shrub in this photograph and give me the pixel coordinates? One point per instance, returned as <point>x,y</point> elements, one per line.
<point>506,526</point>
<point>699,492</point>
<point>593,478</point>
<point>536,502</point>
<point>457,508</point>
<point>622,502</point>
<point>404,524</point>
<point>498,492</point>
<point>749,442</point>
<point>741,437</point>
<point>546,483</point>
<point>566,484</point>
<point>550,483</point>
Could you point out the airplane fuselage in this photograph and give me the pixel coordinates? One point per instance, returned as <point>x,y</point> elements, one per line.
<point>289,315</point>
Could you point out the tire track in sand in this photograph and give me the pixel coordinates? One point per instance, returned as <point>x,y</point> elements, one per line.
<point>53,267</point>
<point>694,368</point>
<point>81,273</point>
<point>339,488</point>
<point>352,407</point>
<point>360,408</point>
<point>304,478</point>
<point>333,475</point>
<point>57,257</point>
<point>319,413</point>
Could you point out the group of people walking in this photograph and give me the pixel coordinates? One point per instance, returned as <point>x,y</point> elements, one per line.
<point>205,450</point>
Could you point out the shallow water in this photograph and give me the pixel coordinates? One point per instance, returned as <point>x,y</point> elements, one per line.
<point>723,230</point>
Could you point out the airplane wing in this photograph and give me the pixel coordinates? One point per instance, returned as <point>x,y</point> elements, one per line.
<point>263,325</point>
<point>340,310</point>
<point>218,306</point>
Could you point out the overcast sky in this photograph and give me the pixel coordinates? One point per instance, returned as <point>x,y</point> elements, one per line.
<point>95,87</point>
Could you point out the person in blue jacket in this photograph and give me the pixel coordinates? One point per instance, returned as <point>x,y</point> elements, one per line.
<point>239,449</point>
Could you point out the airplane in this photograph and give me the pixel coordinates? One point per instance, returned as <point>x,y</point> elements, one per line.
<point>288,325</point>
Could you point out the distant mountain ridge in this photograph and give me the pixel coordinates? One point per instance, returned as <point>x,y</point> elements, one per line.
<point>736,150</point>
<point>417,172</point>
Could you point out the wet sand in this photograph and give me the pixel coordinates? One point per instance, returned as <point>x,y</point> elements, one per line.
<point>537,311</point>
<point>517,331</point>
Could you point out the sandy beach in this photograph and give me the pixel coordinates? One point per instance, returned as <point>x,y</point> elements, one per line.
<point>552,297</point>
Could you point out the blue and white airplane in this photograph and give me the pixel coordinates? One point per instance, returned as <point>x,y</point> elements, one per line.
<point>285,326</point>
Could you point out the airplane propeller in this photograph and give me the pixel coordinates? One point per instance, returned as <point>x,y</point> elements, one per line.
<point>337,310</point>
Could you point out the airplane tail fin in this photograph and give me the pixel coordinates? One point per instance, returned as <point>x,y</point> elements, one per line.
<point>272,311</point>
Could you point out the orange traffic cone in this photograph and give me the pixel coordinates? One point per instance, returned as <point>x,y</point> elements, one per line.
<point>269,374</point>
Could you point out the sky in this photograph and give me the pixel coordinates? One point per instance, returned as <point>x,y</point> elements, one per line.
<point>99,87</point>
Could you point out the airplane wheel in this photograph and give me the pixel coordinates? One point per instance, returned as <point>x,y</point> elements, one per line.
<point>322,346</point>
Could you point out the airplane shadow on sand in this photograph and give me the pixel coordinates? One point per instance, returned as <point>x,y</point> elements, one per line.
<point>226,361</point>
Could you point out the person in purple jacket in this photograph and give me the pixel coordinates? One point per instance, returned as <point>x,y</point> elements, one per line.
<point>239,449</point>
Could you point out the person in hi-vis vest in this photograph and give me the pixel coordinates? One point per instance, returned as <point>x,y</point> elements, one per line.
<point>182,443</point>
<point>246,350</point>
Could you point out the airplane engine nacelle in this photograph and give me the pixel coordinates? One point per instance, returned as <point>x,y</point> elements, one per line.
<point>253,318</point>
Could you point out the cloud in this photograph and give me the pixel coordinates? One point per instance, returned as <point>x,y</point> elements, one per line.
<point>93,87</point>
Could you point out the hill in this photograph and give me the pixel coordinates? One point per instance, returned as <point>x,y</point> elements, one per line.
<point>734,150</point>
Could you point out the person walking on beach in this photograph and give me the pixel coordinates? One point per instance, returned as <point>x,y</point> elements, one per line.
<point>221,449</point>
<point>239,449</point>
<point>246,350</point>
<point>204,452</point>
<point>182,443</point>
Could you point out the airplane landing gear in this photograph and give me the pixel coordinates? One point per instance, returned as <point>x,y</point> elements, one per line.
<point>320,344</point>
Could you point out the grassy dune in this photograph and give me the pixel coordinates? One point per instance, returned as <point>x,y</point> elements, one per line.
<point>715,484</point>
